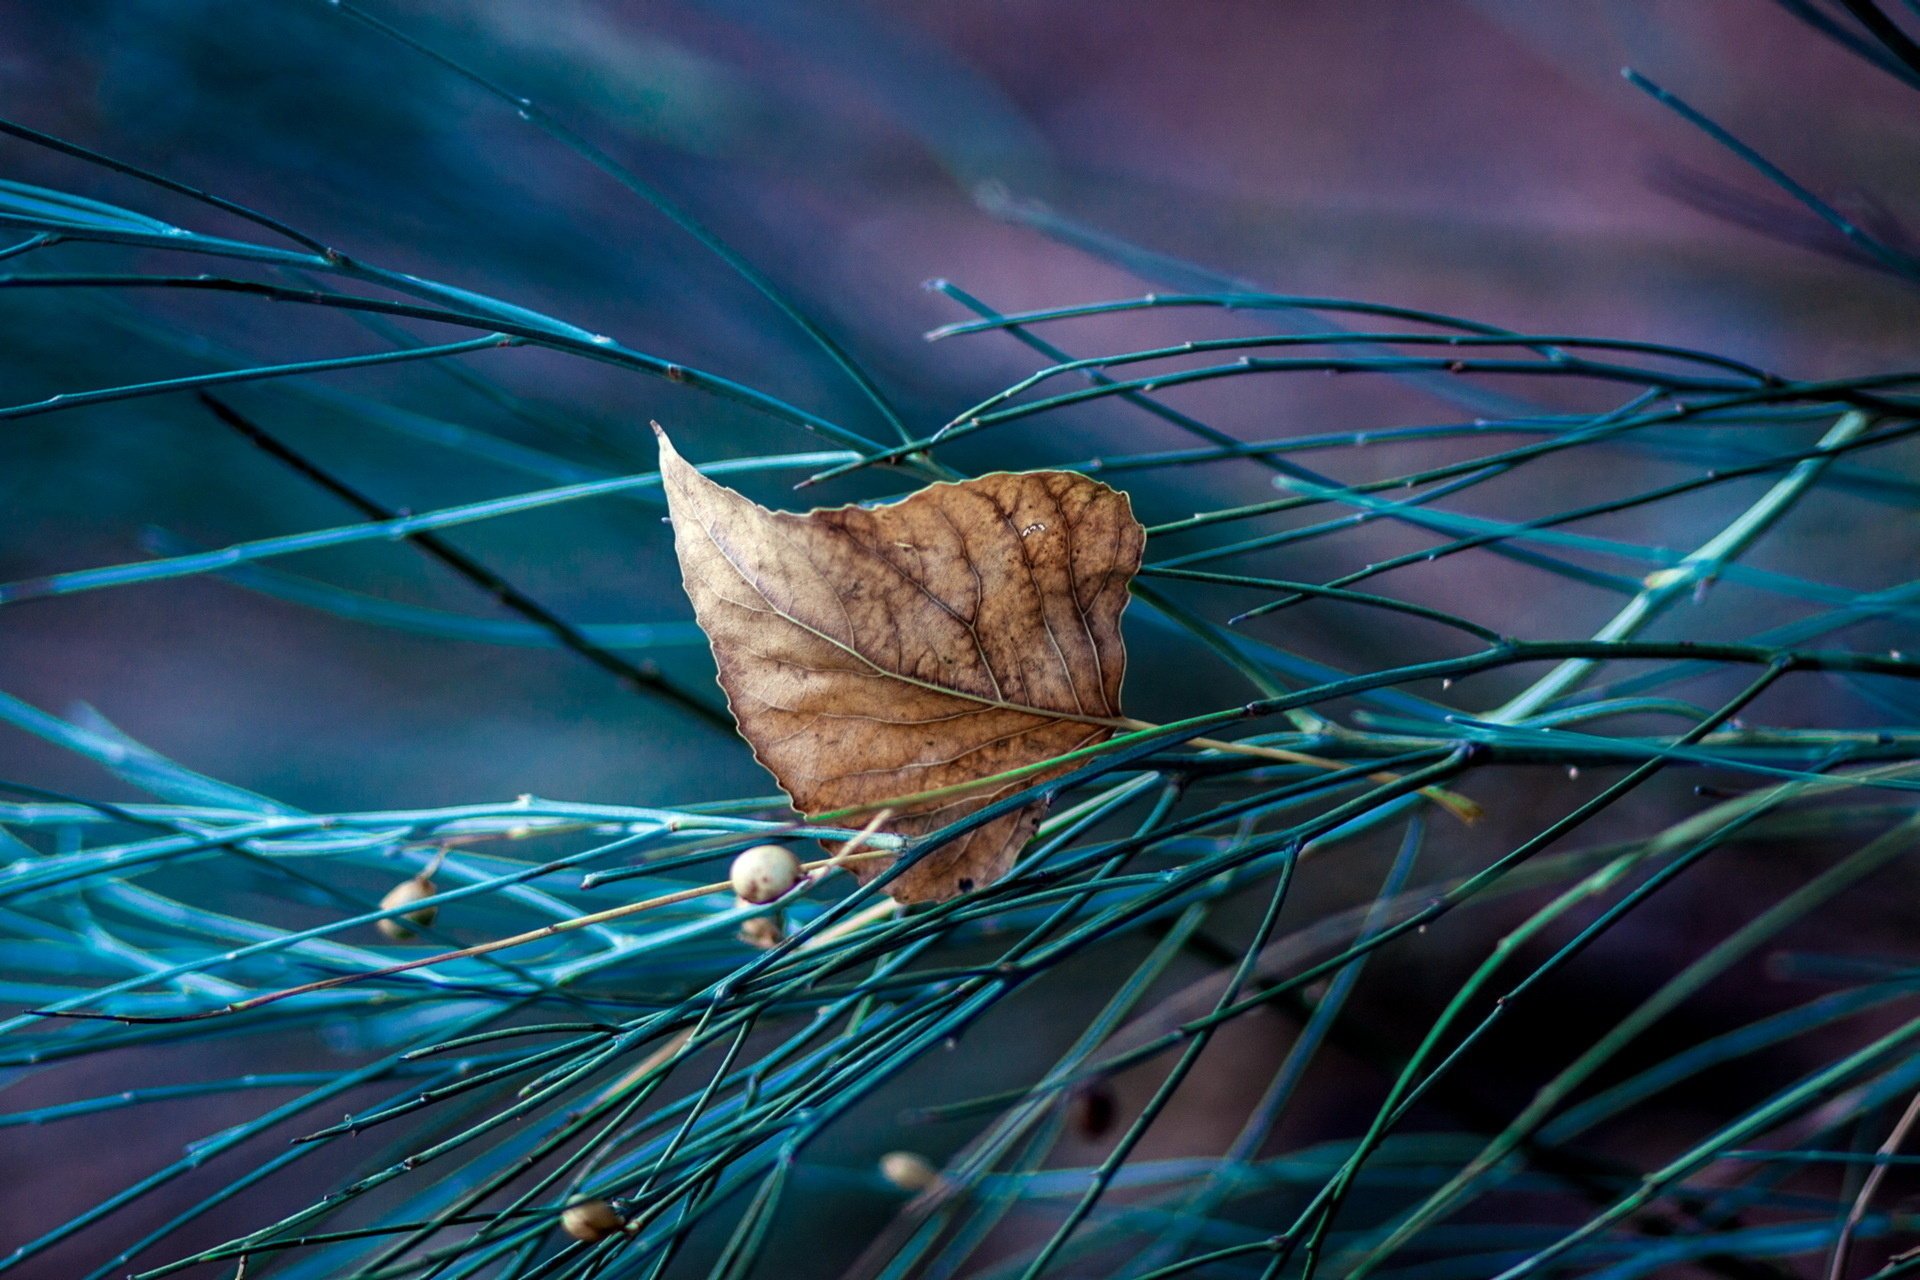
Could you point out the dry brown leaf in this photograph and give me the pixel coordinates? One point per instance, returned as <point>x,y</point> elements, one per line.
<point>875,652</point>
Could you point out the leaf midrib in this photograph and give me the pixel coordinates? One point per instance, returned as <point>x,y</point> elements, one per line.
<point>999,704</point>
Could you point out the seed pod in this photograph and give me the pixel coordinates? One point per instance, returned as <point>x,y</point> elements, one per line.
<point>764,932</point>
<point>591,1221</point>
<point>397,928</point>
<point>764,872</point>
<point>908,1170</point>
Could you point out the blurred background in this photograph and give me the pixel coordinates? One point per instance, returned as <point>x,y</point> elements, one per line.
<point>1482,158</point>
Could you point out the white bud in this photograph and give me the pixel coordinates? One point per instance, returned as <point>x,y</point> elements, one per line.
<point>764,872</point>
<point>908,1170</point>
<point>591,1221</point>
<point>764,932</point>
<point>401,928</point>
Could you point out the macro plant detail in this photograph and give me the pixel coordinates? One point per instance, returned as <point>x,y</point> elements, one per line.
<point>871,654</point>
<point>1511,879</point>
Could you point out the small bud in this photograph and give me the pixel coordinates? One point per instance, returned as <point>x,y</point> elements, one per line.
<point>908,1170</point>
<point>764,872</point>
<point>591,1221</point>
<point>397,928</point>
<point>764,932</point>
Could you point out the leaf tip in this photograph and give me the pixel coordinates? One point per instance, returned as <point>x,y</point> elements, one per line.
<point>668,454</point>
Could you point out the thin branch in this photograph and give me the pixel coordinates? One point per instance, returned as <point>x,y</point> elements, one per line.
<point>439,548</point>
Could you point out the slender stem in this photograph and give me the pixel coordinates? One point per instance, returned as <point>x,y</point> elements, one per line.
<point>1857,1211</point>
<point>438,548</point>
<point>1696,569</point>
<point>478,949</point>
